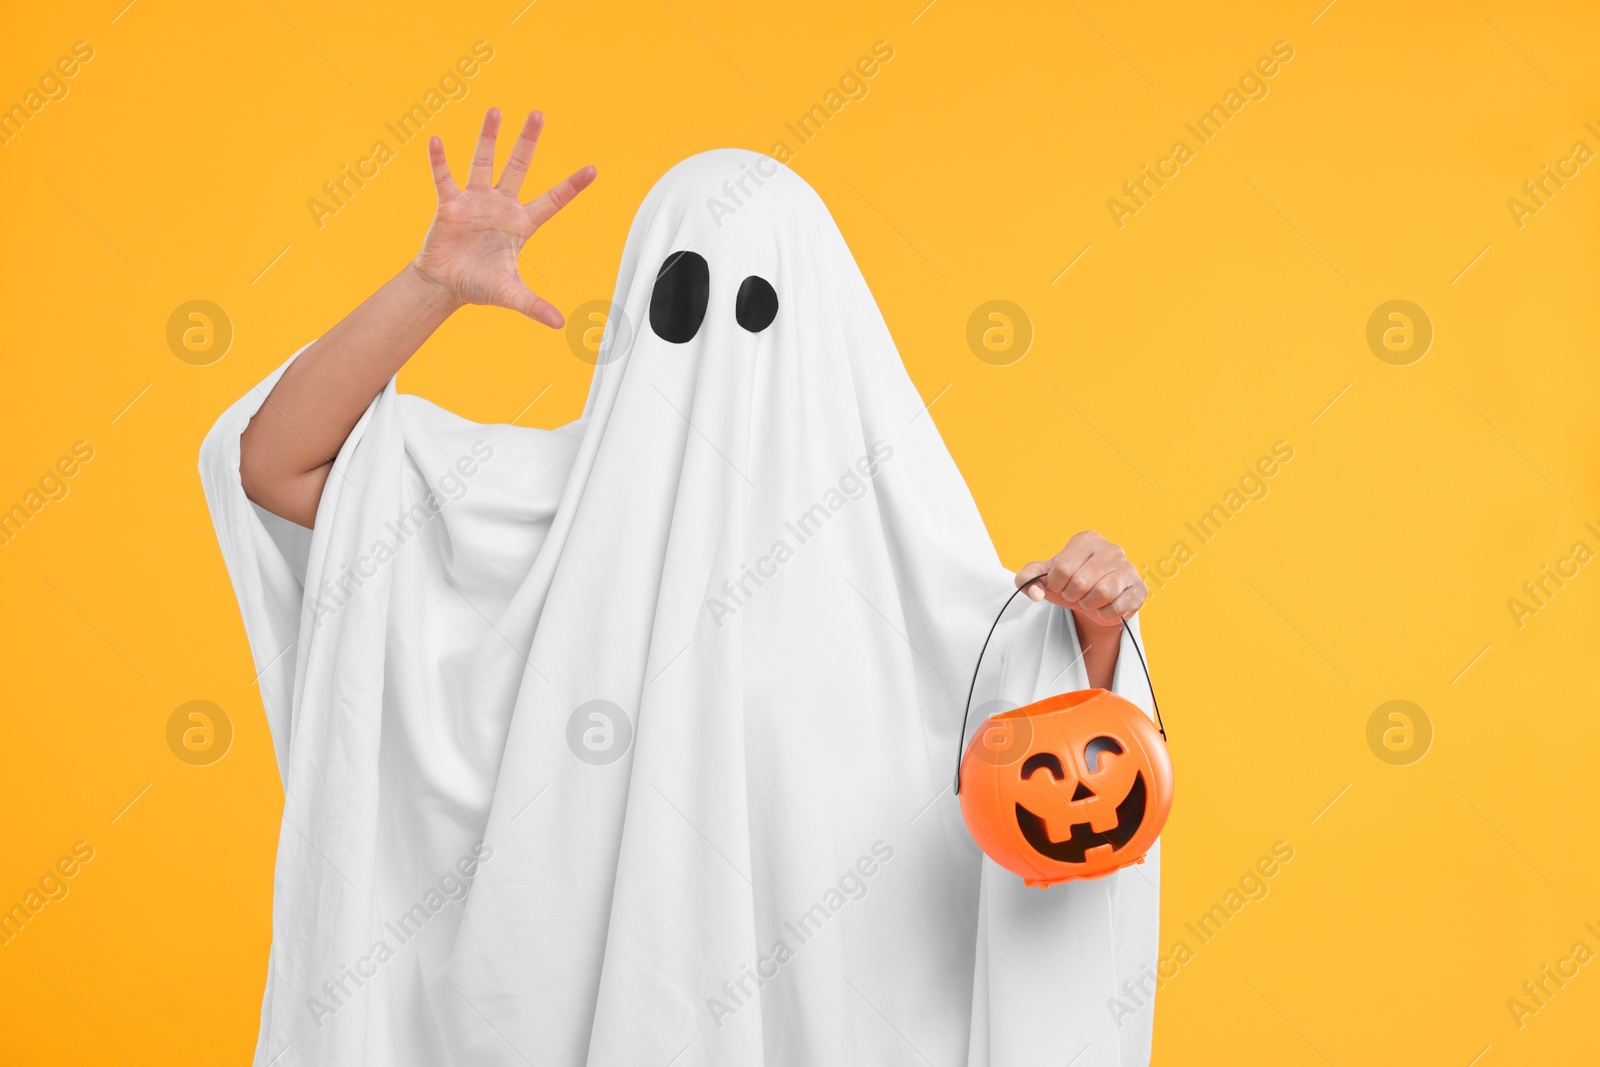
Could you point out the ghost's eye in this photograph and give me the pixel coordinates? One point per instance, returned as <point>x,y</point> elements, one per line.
<point>757,305</point>
<point>678,303</point>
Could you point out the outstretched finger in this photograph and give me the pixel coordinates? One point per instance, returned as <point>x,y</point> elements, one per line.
<point>483,155</point>
<point>442,182</point>
<point>521,155</point>
<point>535,307</point>
<point>541,210</point>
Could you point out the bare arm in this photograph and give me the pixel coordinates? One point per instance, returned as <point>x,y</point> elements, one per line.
<point>468,257</point>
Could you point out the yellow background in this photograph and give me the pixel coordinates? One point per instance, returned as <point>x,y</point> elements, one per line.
<point>1223,317</point>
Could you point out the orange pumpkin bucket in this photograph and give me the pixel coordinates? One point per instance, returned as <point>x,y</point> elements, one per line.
<point>1074,786</point>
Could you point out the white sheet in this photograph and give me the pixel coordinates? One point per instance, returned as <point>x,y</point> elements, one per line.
<point>786,780</point>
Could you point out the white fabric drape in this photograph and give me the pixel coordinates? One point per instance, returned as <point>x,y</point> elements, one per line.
<point>756,552</point>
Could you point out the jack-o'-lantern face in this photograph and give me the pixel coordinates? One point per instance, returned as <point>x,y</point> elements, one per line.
<point>1084,803</point>
<point>1076,786</point>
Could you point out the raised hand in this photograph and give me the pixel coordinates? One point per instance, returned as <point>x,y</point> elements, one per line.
<point>470,252</point>
<point>468,257</point>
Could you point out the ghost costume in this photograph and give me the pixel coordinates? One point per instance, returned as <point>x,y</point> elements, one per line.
<point>632,742</point>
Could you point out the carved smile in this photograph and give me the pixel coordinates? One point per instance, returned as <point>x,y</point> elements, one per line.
<point>1130,813</point>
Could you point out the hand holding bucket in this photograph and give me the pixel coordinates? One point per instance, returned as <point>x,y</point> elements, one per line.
<point>1074,786</point>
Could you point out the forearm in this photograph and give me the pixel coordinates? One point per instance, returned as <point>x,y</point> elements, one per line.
<point>286,452</point>
<point>1100,645</point>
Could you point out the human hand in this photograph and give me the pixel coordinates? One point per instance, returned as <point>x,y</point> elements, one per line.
<point>1091,577</point>
<point>469,255</point>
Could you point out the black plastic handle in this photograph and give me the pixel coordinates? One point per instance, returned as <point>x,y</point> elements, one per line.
<point>962,738</point>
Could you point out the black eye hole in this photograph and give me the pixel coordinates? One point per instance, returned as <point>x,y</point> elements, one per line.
<point>1046,761</point>
<point>678,303</point>
<point>1097,745</point>
<point>757,305</point>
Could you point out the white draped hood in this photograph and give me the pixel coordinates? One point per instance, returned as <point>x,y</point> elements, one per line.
<point>631,742</point>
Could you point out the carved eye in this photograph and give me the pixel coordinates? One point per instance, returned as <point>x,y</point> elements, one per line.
<point>1097,745</point>
<point>757,304</point>
<point>1045,760</point>
<point>678,303</point>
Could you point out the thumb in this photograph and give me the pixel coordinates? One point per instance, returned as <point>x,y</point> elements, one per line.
<point>519,297</point>
<point>1036,569</point>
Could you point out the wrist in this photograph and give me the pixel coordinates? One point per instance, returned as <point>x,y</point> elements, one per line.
<point>1088,621</point>
<point>430,294</point>
<point>1100,646</point>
